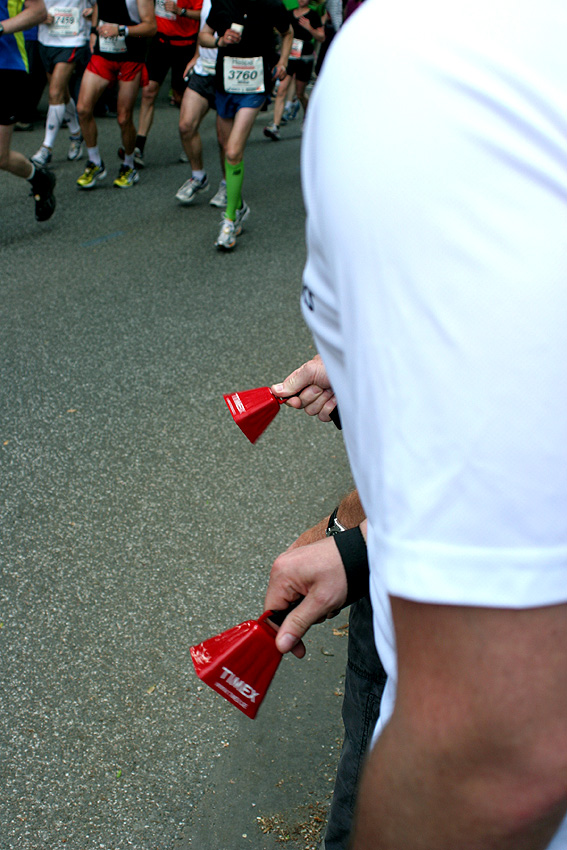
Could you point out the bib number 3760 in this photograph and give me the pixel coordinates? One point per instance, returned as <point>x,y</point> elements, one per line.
<point>243,75</point>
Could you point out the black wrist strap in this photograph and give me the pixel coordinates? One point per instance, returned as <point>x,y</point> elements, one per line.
<point>352,549</point>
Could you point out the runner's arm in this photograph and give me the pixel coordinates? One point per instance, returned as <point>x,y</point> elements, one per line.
<point>287,41</point>
<point>318,33</point>
<point>33,14</point>
<point>147,26</point>
<point>145,29</point>
<point>208,38</point>
<point>184,9</point>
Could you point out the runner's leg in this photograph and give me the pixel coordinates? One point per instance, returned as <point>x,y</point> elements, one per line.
<point>58,98</point>
<point>147,107</point>
<point>236,132</point>
<point>193,110</point>
<point>127,94</point>
<point>12,161</point>
<point>92,87</point>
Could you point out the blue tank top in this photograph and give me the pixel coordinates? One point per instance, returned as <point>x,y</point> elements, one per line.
<point>13,54</point>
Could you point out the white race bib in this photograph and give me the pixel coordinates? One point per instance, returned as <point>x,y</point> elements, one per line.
<point>112,44</point>
<point>243,75</point>
<point>66,20</point>
<point>296,49</point>
<point>161,11</point>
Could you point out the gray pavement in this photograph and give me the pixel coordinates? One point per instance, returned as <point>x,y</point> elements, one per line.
<point>136,519</point>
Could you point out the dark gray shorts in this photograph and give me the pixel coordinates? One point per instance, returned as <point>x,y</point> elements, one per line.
<point>52,56</point>
<point>204,86</point>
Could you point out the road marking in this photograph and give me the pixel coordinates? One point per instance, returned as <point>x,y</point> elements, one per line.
<point>100,239</point>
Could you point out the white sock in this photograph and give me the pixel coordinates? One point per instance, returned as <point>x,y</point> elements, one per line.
<point>288,104</point>
<point>94,155</point>
<point>198,174</point>
<point>55,115</point>
<point>71,116</point>
<point>129,160</point>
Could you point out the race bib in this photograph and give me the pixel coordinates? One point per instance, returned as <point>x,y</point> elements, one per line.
<point>296,49</point>
<point>112,44</point>
<point>243,75</point>
<point>66,20</point>
<point>161,11</point>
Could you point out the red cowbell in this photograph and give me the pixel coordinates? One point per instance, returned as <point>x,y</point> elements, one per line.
<point>240,663</point>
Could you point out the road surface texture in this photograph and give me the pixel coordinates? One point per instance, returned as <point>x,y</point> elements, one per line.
<point>137,520</point>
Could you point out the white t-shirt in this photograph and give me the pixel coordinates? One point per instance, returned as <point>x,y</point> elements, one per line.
<point>69,28</point>
<point>436,290</point>
<point>207,59</point>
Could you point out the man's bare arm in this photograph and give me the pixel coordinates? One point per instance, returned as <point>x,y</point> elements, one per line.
<point>475,754</point>
<point>350,513</point>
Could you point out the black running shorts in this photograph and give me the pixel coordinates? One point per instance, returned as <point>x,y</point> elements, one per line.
<point>164,54</point>
<point>13,95</point>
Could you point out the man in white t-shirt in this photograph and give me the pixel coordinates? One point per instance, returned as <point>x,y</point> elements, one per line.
<point>64,49</point>
<point>435,289</point>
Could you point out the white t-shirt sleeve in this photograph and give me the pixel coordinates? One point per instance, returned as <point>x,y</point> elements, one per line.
<point>436,291</point>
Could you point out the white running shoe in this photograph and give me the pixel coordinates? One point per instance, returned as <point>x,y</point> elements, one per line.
<point>272,131</point>
<point>293,110</point>
<point>227,236</point>
<point>219,200</point>
<point>183,157</point>
<point>241,216</point>
<point>75,148</point>
<point>42,156</point>
<point>187,192</point>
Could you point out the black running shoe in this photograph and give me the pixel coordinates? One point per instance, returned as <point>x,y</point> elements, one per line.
<point>43,184</point>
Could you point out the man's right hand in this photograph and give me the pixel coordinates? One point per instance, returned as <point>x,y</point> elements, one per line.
<point>311,390</point>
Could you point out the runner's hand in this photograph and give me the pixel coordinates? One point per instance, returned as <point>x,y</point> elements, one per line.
<point>231,37</point>
<point>280,72</point>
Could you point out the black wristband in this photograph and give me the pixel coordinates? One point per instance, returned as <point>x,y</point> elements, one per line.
<point>352,549</point>
<point>94,31</point>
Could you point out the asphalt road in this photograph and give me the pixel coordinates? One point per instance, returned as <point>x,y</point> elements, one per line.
<point>136,519</point>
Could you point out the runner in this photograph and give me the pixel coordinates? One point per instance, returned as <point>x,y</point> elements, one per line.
<point>118,35</point>
<point>173,46</point>
<point>199,97</point>
<point>244,77</point>
<point>14,19</point>
<point>307,29</point>
<point>63,47</point>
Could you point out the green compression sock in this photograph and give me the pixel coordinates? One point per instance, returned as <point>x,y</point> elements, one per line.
<point>234,178</point>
